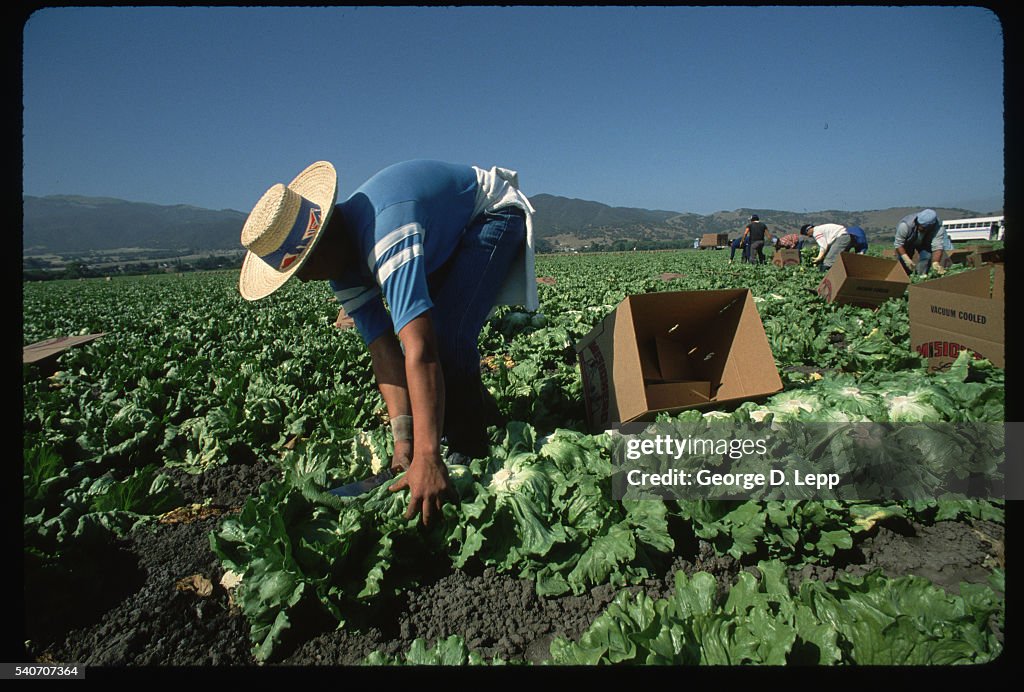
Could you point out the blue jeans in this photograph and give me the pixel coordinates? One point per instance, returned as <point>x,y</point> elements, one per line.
<point>834,250</point>
<point>463,292</point>
<point>735,245</point>
<point>924,261</point>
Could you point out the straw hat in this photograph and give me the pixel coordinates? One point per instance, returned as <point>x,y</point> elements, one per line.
<point>283,228</point>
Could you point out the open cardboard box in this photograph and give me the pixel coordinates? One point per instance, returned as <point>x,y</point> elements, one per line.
<point>786,257</point>
<point>962,255</point>
<point>987,256</point>
<point>673,351</point>
<point>863,280</point>
<point>965,311</point>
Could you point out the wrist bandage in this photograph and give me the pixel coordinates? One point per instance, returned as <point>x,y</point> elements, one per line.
<point>401,428</point>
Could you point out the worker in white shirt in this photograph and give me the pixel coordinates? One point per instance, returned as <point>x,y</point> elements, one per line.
<point>832,240</point>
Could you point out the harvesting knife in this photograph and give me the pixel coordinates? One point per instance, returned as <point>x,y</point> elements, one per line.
<point>367,484</point>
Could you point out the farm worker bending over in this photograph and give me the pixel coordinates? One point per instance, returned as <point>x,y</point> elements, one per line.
<point>442,243</point>
<point>832,240</point>
<point>737,243</point>
<point>754,234</point>
<point>858,240</point>
<point>791,241</point>
<point>922,233</point>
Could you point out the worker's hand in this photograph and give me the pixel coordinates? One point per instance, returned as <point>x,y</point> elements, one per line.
<point>938,268</point>
<point>343,321</point>
<point>817,260</point>
<point>429,487</point>
<point>907,262</point>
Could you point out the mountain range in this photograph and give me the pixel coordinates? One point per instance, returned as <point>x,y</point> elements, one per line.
<point>63,224</point>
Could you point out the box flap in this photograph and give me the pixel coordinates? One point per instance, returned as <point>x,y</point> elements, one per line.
<point>649,367</point>
<point>873,268</point>
<point>983,257</point>
<point>595,353</point>
<point>677,395</point>
<point>975,283</point>
<point>998,283</point>
<point>626,367</point>
<point>51,347</point>
<point>749,369</point>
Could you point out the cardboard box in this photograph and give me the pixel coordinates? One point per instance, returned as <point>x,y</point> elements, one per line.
<point>983,257</point>
<point>786,257</point>
<point>672,351</point>
<point>959,255</point>
<point>863,280</point>
<point>714,240</point>
<point>954,313</point>
<point>962,254</point>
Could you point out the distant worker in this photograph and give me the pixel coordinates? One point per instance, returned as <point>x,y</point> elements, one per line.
<point>790,241</point>
<point>737,243</point>
<point>832,240</point>
<point>921,233</point>
<point>858,240</point>
<point>754,233</point>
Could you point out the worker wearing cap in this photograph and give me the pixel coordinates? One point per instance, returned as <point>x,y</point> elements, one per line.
<point>755,233</point>
<point>922,233</point>
<point>858,240</point>
<point>417,256</point>
<point>832,240</point>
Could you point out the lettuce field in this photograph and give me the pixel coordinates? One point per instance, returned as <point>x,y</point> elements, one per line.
<point>176,508</point>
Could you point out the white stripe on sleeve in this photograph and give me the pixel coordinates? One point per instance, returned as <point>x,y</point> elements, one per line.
<point>388,268</point>
<point>390,240</point>
<point>349,293</point>
<point>359,301</point>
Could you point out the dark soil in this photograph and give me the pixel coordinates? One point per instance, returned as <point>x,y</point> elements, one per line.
<point>140,614</point>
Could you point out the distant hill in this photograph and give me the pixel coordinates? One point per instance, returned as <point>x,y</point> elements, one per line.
<point>67,224</point>
<point>565,222</point>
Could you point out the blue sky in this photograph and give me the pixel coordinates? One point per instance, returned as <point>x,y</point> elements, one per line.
<point>682,108</point>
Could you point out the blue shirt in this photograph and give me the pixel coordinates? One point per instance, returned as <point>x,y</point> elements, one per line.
<point>858,238</point>
<point>405,221</point>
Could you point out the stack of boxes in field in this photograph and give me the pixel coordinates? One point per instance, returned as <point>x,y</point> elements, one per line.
<point>863,280</point>
<point>673,351</point>
<point>964,311</point>
<point>711,240</point>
